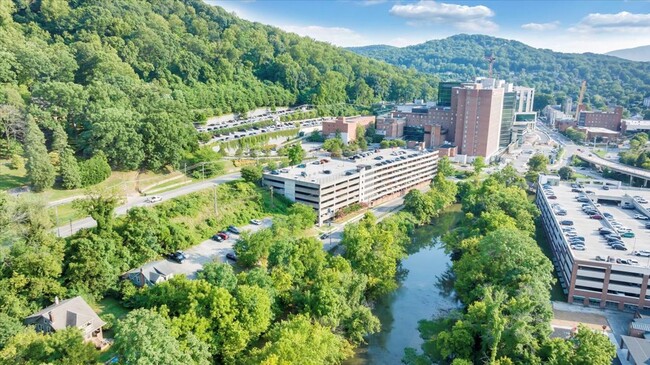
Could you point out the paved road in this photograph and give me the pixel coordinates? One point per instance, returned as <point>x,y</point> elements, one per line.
<point>74,226</point>
<point>206,252</point>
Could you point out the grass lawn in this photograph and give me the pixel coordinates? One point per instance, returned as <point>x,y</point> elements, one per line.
<point>110,306</point>
<point>599,153</point>
<point>10,178</point>
<point>66,213</point>
<point>540,236</point>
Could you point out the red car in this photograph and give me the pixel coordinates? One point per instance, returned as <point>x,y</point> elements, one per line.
<point>596,216</point>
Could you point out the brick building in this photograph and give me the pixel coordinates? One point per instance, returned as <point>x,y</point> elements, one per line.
<point>347,126</point>
<point>610,119</point>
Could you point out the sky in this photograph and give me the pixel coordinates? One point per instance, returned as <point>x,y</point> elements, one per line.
<point>596,26</point>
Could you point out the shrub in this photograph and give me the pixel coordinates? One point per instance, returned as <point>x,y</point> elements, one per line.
<point>94,170</point>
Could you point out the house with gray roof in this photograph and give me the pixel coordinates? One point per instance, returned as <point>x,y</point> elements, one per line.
<point>150,274</point>
<point>73,312</point>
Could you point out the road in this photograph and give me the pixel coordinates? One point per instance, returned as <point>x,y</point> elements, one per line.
<point>74,226</point>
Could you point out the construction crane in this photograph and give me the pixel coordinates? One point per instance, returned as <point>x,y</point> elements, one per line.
<point>583,88</point>
<point>490,60</point>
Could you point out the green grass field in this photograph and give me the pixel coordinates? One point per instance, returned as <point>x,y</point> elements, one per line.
<point>10,178</point>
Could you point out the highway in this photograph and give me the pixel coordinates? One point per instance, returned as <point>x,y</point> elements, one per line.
<point>74,226</point>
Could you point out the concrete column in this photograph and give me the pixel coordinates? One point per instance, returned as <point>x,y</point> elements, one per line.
<point>642,293</point>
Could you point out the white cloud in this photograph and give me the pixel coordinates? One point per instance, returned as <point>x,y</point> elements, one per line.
<point>541,27</point>
<point>372,2</point>
<point>339,36</point>
<point>463,17</point>
<point>620,22</point>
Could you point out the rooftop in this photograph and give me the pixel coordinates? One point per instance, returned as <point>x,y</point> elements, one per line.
<point>73,312</point>
<point>330,169</point>
<point>607,203</point>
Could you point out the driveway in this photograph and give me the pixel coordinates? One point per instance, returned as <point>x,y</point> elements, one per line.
<point>205,252</point>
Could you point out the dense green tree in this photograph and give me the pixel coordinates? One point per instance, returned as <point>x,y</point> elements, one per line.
<point>445,167</point>
<point>253,247</point>
<point>252,174</point>
<point>420,205</point>
<point>69,170</point>
<point>374,250</point>
<point>566,173</point>
<point>64,347</point>
<point>301,216</point>
<point>299,340</point>
<point>100,204</point>
<point>94,170</point>
<point>9,327</point>
<point>40,170</point>
<point>219,274</point>
<point>478,164</point>
<point>295,153</point>
<point>586,346</point>
<point>144,337</point>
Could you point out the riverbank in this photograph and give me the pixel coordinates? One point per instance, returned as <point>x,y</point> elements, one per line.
<point>424,293</point>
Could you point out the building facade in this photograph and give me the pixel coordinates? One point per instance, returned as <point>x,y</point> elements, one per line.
<point>327,186</point>
<point>478,120</point>
<point>610,120</point>
<point>346,126</point>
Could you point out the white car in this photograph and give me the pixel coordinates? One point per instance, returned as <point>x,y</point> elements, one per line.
<point>256,222</point>
<point>578,247</point>
<point>153,199</point>
<point>641,217</point>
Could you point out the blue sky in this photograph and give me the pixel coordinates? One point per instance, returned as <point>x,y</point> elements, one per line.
<point>565,26</point>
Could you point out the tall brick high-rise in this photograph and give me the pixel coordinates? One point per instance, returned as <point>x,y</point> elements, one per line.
<point>478,119</point>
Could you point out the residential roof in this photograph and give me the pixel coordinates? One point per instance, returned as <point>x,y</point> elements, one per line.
<point>639,349</point>
<point>641,324</point>
<point>73,312</point>
<point>152,272</point>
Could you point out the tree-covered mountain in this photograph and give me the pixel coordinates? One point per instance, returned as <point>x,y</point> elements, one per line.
<point>126,78</point>
<point>610,80</point>
<point>641,54</point>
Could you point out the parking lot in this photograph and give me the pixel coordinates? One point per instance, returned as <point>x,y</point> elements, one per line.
<point>205,252</point>
<point>601,211</point>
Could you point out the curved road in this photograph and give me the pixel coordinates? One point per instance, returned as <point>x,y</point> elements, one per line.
<point>624,169</point>
<point>74,226</point>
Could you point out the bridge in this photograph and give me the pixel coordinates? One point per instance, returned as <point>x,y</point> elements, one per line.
<point>615,166</point>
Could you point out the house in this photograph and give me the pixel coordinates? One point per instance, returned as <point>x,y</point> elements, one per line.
<point>74,312</point>
<point>150,274</point>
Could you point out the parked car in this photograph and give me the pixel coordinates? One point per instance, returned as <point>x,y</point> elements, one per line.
<point>628,234</point>
<point>641,253</point>
<point>641,217</point>
<point>619,247</point>
<point>233,229</point>
<point>605,187</point>
<point>224,236</point>
<point>647,225</point>
<point>231,256</point>
<point>578,247</point>
<point>324,236</point>
<point>153,199</point>
<point>566,223</point>
<point>217,238</point>
<point>608,216</point>
<point>601,258</point>
<point>596,216</point>
<point>256,222</point>
<point>178,256</point>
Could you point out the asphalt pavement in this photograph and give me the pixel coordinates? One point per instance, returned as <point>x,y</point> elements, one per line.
<point>139,201</point>
<point>206,252</point>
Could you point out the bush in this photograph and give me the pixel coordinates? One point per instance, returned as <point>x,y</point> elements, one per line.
<point>17,162</point>
<point>94,170</point>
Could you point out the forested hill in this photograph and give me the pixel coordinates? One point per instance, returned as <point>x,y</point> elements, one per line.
<point>128,77</point>
<point>462,57</point>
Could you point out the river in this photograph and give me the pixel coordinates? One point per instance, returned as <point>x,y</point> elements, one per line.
<point>421,295</point>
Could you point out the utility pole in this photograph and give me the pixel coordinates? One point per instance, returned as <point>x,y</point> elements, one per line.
<point>271,187</point>
<point>215,199</point>
<point>56,213</point>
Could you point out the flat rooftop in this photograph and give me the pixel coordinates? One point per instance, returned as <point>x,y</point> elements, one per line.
<point>320,172</point>
<point>606,202</point>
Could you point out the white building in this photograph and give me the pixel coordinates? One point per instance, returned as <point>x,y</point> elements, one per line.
<point>329,185</point>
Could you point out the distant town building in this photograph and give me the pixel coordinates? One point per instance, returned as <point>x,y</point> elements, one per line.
<point>646,102</point>
<point>633,126</point>
<point>568,105</point>
<point>346,126</point>
<point>610,119</point>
